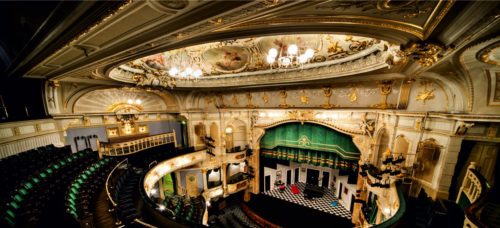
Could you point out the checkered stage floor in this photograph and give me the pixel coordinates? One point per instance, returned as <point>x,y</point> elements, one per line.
<point>322,204</point>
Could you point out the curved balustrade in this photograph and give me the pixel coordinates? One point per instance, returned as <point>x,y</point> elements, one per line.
<point>134,146</point>
<point>236,187</point>
<point>472,196</point>
<point>382,190</point>
<point>108,179</point>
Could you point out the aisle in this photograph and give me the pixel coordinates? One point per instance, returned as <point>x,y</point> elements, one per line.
<point>102,217</point>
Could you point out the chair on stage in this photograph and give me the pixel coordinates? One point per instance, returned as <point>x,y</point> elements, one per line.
<point>295,190</point>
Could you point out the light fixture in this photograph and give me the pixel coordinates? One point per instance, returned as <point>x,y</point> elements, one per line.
<point>184,68</point>
<point>131,101</point>
<point>229,130</point>
<point>290,58</point>
<point>161,207</point>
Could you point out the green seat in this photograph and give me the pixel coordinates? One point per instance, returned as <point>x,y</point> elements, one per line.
<point>11,223</point>
<point>43,175</point>
<point>56,166</point>
<point>18,198</point>
<point>14,205</point>
<point>50,171</point>
<point>63,163</point>
<point>28,185</point>
<point>11,213</point>
<point>36,180</point>
<point>23,191</point>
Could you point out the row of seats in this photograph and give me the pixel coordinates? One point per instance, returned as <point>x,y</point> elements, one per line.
<point>159,153</point>
<point>25,164</point>
<point>37,194</point>
<point>87,183</point>
<point>232,217</point>
<point>126,188</point>
<point>184,209</point>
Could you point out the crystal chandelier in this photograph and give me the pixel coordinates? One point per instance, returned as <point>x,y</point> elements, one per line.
<point>187,73</point>
<point>291,58</point>
<point>184,68</point>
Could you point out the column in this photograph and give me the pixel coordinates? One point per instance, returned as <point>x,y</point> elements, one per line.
<point>205,180</point>
<point>160,188</point>
<point>224,178</point>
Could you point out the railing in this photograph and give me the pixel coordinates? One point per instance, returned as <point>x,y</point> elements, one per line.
<point>396,218</point>
<point>257,219</point>
<point>236,187</point>
<point>108,185</point>
<point>134,146</point>
<point>472,196</point>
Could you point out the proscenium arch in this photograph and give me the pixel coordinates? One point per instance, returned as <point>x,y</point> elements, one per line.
<point>275,124</point>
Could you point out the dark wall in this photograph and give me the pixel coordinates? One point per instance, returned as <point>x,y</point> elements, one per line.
<point>22,100</point>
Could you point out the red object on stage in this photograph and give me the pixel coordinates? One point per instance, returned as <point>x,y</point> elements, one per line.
<point>294,189</point>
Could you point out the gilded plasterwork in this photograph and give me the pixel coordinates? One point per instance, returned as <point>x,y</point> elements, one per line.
<point>345,95</point>
<point>385,88</point>
<point>426,91</point>
<point>490,54</point>
<point>304,99</point>
<point>283,94</point>
<point>113,100</point>
<point>494,87</point>
<point>327,92</point>
<point>244,57</point>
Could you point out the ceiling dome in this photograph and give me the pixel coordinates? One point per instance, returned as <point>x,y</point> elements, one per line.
<point>247,61</point>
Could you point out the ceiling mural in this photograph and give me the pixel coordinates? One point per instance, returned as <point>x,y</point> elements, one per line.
<point>250,57</point>
<point>490,54</point>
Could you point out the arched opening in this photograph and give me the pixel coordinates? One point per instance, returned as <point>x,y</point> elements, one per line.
<point>401,146</point>
<point>428,154</point>
<point>383,145</point>
<point>200,133</point>
<point>235,136</point>
<point>214,133</point>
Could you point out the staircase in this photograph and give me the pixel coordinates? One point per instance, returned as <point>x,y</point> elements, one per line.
<point>481,204</point>
<point>490,215</point>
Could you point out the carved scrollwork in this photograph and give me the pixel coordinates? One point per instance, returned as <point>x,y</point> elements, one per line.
<point>426,54</point>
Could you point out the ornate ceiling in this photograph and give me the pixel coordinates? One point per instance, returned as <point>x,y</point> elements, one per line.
<point>138,42</point>
<point>243,61</point>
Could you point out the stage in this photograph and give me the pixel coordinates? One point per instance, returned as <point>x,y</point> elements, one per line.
<point>323,204</point>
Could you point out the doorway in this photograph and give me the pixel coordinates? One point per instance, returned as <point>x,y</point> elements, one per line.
<point>296,179</point>
<point>352,203</point>
<point>288,177</point>
<point>326,179</point>
<point>340,191</point>
<point>312,177</point>
<point>267,183</point>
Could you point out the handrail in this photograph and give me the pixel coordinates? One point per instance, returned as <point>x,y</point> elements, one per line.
<point>144,223</point>
<point>134,146</point>
<point>475,188</point>
<point>392,221</point>
<point>107,181</point>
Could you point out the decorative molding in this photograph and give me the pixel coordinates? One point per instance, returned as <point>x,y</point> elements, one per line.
<point>385,88</point>
<point>426,92</point>
<point>426,54</point>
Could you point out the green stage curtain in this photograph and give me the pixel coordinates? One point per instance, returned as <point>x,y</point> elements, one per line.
<point>312,144</point>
